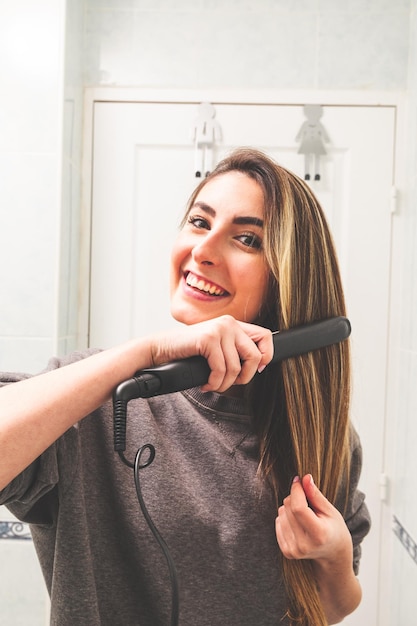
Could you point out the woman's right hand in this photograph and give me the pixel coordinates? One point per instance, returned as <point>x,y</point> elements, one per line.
<point>234,350</point>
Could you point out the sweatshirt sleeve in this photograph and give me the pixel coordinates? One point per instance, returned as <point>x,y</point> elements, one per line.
<point>32,496</point>
<point>356,513</point>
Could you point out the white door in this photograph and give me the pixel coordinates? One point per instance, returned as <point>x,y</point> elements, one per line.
<point>143,173</point>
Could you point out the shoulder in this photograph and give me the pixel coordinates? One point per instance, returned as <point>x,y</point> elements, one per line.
<point>53,363</point>
<point>356,454</point>
<point>61,361</point>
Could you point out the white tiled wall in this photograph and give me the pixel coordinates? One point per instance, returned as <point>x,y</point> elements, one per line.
<point>404,565</point>
<point>39,204</point>
<point>40,155</point>
<point>31,37</point>
<point>67,311</point>
<point>249,44</point>
<point>281,44</point>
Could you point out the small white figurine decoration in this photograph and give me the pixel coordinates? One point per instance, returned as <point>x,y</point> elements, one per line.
<point>206,132</point>
<point>312,137</point>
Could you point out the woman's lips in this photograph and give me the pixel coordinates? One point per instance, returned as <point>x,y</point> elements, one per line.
<point>203,285</point>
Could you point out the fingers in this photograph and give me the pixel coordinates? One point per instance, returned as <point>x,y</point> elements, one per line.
<point>224,361</point>
<point>263,340</point>
<point>293,522</point>
<point>308,526</point>
<point>235,352</point>
<point>316,500</point>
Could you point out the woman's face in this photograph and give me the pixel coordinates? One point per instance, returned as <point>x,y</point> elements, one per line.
<point>217,263</point>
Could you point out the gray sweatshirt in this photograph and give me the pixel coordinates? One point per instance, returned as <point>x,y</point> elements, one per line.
<point>101,563</point>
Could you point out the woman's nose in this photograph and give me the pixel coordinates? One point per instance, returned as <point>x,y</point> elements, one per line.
<point>208,250</point>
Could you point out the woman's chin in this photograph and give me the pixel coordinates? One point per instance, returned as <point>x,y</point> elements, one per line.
<point>189,316</point>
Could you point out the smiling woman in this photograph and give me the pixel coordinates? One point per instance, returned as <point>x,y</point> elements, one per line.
<point>218,265</point>
<point>243,466</point>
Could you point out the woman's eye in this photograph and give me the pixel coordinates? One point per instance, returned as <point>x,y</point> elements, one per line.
<point>197,221</point>
<point>251,240</point>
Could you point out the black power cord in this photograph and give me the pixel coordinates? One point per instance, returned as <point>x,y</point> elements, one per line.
<point>137,466</point>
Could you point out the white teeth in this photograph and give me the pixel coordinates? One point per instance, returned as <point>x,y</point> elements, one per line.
<point>201,284</point>
<point>192,280</point>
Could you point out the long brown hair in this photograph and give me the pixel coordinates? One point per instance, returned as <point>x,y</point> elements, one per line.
<point>301,405</point>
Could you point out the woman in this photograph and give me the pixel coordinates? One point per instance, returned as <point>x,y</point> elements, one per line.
<point>254,481</point>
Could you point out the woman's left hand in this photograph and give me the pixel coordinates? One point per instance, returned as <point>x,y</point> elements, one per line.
<point>308,526</point>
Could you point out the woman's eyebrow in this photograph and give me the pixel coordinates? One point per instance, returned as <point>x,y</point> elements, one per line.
<point>247,219</point>
<point>240,219</point>
<point>204,207</point>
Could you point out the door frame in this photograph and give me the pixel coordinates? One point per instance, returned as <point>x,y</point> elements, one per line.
<point>397,100</point>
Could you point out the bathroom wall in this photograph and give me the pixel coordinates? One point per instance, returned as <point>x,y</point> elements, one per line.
<point>318,44</point>
<point>404,428</point>
<point>70,233</point>
<point>40,153</point>
<point>31,41</point>
<point>40,128</point>
<point>45,45</point>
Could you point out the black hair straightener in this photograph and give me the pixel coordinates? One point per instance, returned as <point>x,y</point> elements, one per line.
<point>194,371</point>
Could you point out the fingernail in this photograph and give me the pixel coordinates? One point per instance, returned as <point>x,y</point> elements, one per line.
<point>311,480</point>
<point>261,369</point>
<point>296,479</point>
